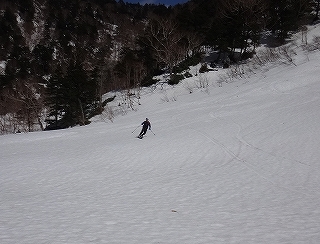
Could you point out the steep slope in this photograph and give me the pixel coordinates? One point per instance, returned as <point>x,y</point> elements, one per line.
<point>231,164</point>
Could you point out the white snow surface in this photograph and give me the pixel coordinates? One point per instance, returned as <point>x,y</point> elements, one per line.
<point>233,164</point>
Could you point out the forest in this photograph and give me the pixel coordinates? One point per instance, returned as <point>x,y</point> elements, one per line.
<point>59,57</point>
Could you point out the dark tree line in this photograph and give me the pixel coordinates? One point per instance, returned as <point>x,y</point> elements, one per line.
<point>59,56</point>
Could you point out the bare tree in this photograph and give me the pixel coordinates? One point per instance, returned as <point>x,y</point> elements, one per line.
<point>193,43</point>
<point>165,38</point>
<point>27,106</point>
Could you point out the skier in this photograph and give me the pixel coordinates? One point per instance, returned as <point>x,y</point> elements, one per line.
<point>145,125</point>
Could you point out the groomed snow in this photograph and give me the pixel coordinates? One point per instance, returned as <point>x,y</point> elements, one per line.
<point>233,164</point>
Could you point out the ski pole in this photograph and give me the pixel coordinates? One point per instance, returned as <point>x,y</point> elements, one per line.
<point>135,129</point>
<point>152,132</point>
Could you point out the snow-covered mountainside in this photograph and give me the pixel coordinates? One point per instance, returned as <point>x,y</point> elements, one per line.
<point>238,163</point>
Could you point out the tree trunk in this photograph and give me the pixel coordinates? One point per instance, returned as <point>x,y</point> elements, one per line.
<point>82,120</point>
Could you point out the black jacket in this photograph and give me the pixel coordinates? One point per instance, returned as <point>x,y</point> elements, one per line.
<point>146,124</point>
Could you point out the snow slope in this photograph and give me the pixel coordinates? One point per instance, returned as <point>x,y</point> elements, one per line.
<point>233,164</point>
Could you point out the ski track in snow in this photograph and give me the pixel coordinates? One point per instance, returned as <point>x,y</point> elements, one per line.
<point>243,141</point>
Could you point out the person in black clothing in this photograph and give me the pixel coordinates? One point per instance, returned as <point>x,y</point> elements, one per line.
<point>145,125</point>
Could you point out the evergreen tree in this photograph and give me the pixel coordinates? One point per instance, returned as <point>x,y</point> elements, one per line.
<point>72,97</point>
<point>285,16</point>
<point>55,100</point>
<point>12,48</point>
